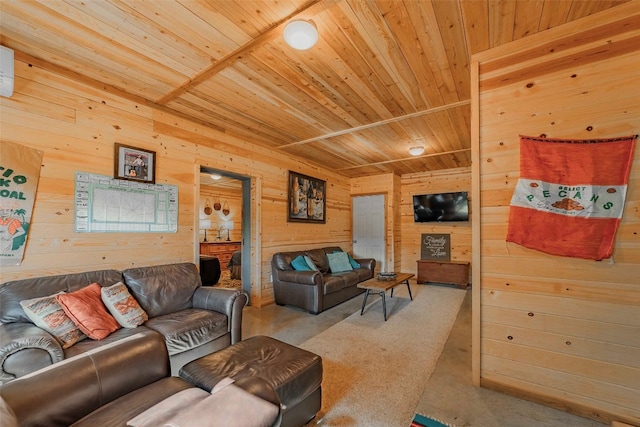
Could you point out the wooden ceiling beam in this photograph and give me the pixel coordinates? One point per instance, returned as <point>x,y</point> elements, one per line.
<point>404,159</point>
<point>379,123</point>
<point>215,68</point>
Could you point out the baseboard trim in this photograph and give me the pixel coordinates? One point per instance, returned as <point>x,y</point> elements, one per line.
<point>562,405</point>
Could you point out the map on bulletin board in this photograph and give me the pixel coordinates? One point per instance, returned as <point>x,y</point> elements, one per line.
<point>105,204</point>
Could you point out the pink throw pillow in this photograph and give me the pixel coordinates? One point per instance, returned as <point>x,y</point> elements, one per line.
<point>85,308</point>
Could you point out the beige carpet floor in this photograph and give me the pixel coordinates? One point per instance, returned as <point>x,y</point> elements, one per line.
<point>226,281</point>
<point>376,371</point>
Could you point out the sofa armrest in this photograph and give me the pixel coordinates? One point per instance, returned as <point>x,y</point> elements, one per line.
<point>226,301</point>
<point>369,263</point>
<point>300,277</point>
<point>19,336</point>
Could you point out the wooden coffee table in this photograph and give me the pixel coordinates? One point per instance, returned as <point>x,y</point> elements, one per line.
<point>382,286</point>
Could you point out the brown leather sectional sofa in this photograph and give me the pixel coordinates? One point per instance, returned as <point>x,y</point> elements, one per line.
<point>319,290</point>
<point>193,320</point>
<point>112,384</point>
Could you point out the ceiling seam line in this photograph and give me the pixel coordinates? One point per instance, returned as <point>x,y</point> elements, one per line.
<point>379,123</point>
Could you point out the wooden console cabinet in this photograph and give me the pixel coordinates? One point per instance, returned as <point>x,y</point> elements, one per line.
<point>455,273</point>
<point>220,250</point>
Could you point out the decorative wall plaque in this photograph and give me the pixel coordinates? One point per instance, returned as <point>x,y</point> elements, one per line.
<point>435,247</point>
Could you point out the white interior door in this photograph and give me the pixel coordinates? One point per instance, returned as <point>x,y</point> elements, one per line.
<point>368,229</point>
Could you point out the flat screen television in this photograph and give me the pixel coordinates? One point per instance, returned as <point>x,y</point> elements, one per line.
<point>441,207</point>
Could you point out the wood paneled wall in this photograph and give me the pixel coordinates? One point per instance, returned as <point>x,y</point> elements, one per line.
<point>563,331</point>
<point>76,126</point>
<point>433,182</point>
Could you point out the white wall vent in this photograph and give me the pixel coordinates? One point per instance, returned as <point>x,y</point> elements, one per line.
<point>6,71</point>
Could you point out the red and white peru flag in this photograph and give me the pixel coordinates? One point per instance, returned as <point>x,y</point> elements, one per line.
<point>570,196</point>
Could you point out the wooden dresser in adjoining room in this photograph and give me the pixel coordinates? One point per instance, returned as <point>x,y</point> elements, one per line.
<point>221,250</point>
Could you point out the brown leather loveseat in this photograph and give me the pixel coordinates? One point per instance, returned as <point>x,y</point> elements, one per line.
<point>193,320</point>
<point>317,290</point>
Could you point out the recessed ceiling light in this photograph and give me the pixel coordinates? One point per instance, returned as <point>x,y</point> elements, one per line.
<point>300,35</point>
<point>416,151</point>
<point>215,176</point>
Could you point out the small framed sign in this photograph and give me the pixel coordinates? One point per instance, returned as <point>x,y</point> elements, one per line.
<point>435,247</point>
<point>134,164</point>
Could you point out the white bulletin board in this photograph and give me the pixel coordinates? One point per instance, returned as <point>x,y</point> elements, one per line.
<point>105,204</point>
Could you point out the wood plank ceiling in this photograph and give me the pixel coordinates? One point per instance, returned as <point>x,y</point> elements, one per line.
<point>385,75</point>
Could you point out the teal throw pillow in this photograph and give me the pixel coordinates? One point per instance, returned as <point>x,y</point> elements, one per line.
<point>300,264</point>
<point>339,262</point>
<point>310,263</point>
<point>352,261</point>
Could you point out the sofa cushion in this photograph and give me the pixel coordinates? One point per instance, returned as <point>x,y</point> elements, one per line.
<point>339,262</point>
<point>186,329</point>
<point>11,293</point>
<point>163,289</point>
<point>228,406</point>
<point>86,309</point>
<point>319,258</point>
<point>47,313</point>
<point>122,306</point>
<point>168,408</point>
<point>332,283</point>
<point>363,273</point>
<point>89,345</point>
<point>124,408</point>
<point>351,278</point>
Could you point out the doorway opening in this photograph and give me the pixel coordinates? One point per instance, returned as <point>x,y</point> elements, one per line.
<point>226,201</point>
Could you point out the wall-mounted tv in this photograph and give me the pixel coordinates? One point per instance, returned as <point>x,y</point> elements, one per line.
<point>441,207</point>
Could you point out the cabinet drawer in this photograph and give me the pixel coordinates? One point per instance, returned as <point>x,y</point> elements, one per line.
<point>221,250</point>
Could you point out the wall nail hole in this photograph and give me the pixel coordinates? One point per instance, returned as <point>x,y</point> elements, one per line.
<point>543,135</point>
<point>530,314</point>
<point>489,160</point>
<point>529,85</point>
<point>567,342</point>
<point>509,337</point>
<point>573,76</point>
<point>589,128</point>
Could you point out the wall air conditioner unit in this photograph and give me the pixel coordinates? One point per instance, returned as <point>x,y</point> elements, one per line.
<point>6,71</point>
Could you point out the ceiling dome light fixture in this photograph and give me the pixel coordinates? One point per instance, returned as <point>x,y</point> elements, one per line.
<point>300,34</point>
<point>215,176</point>
<point>416,151</point>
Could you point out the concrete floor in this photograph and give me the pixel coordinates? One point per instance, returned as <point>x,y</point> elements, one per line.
<point>455,400</point>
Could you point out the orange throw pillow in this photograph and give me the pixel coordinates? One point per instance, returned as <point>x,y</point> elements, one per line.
<point>85,308</point>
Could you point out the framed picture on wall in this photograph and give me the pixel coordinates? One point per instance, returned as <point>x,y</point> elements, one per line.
<point>307,199</point>
<point>134,164</point>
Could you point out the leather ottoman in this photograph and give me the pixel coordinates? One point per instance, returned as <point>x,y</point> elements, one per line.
<point>295,374</point>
